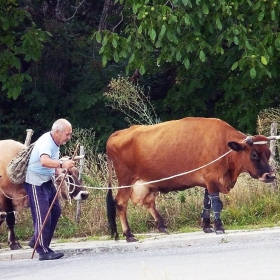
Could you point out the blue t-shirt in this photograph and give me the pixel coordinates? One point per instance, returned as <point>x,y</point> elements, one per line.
<point>36,173</point>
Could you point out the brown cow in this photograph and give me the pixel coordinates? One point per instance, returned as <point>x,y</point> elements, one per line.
<point>177,155</point>
<point>13,197</point>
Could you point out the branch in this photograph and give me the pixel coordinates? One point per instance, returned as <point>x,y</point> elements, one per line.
<point>76,10</point>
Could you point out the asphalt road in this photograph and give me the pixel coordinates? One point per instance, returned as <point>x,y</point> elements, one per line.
<point>237,255</point>
<point>238,261</point>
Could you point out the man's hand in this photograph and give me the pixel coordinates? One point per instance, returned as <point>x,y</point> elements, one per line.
<point>68,164</point>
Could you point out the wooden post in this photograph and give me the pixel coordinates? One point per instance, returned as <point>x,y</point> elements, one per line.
<point>82,160</point>
<point>29,133</point>
<point>272,147</point>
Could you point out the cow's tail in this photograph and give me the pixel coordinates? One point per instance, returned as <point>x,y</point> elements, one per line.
<point>111,205</point>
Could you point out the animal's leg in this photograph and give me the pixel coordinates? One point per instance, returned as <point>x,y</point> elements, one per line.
<point>121,200</point>
<point>12,242</point>
<point>205,215</point>
<point>2,218</point>
<point>150,204</point>
<point>217,206</point>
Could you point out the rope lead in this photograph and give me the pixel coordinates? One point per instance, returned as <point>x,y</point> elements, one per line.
<point>163,179</point>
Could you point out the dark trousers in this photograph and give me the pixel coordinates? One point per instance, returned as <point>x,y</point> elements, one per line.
<point>40,199</point>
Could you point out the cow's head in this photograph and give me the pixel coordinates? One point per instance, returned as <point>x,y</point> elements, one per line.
<point>72,186</point>
<point>255,156</point>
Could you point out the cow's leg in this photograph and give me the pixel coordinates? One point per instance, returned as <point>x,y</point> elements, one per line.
<point>121,200</point>
<point>3,216</point>
<point>205,215</point>
<point>217,206</point>
<point>11,221</point>
<point>150,204</point>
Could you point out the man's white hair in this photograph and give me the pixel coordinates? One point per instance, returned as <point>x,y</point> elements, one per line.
<point>59,125</point>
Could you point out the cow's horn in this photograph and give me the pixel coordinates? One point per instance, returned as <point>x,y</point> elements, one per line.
<point>277,137</point>
<point>260,143</point>
<point>78,157</point>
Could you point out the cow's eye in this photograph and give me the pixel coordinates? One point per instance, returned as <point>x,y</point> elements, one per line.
<point>254,156</point>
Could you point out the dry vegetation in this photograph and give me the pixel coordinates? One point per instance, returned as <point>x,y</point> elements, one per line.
<point>131,100</point>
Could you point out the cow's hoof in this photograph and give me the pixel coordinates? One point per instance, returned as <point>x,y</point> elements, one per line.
<point>131,239</point>
<point>15,246</point>
<point>208,230</point>
<point>163,230</point>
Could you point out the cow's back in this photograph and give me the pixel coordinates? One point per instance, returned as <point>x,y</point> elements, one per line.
<point>186,136</point>
<point>169,148</point>
<point>8,150</point>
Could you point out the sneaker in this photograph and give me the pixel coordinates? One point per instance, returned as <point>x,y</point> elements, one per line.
<point>50,256</point>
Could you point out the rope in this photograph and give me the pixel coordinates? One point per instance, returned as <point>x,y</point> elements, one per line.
<point>67,184</point>
<point>163,179</point>
<point>12,197</point>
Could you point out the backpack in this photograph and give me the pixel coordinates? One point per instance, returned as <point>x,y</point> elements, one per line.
<point>16,169</point>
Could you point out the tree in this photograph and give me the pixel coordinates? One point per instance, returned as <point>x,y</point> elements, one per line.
<point>66,81</point>
<point>21,42</point>
<point>224,54</point>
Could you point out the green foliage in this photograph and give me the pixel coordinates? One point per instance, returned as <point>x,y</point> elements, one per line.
<point>67,82</point>
<point>67,227</point>
<point>205,29</point>
<point>260,208</point>
<point>225,54</point>
<point>20,40</point>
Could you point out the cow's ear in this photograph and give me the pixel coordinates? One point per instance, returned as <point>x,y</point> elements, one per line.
<point>235,146</point>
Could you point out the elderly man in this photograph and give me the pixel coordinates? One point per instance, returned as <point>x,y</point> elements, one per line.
<point>40,188</point>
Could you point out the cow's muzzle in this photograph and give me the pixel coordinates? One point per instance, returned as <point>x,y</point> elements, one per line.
<point>267,177</point>
<point>82,195</point>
